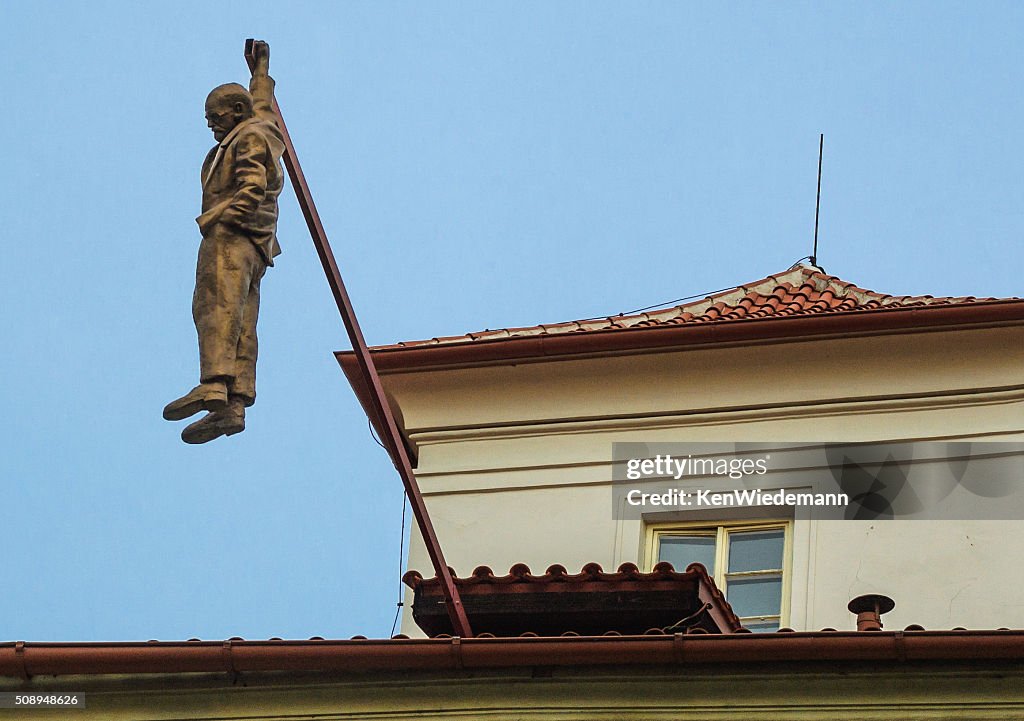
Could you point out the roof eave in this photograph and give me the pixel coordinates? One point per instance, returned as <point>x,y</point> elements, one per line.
<point>687,336</point>
<point>21,660</point>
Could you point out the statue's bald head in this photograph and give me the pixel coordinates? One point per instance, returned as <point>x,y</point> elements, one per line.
<point>226,106</point>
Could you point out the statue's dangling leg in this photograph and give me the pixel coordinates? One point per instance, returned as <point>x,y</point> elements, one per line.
<point>228,264</point>
<point>243,382</point>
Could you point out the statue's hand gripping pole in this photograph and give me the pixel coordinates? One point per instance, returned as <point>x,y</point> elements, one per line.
<point>257,55</point>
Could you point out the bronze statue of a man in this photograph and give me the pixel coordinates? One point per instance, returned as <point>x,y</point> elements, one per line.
<point>241,178</point>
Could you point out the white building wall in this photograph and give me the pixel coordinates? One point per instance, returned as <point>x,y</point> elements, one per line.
<point>515,460</point>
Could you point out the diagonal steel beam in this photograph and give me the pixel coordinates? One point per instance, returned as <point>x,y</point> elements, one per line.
<point>392,439</point>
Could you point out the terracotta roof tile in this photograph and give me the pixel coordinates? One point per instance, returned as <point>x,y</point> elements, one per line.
<point>591,602</point>
<point>692,630</point>
<point>797,292</point>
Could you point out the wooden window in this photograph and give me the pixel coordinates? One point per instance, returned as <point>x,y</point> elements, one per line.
<point>749,562</point>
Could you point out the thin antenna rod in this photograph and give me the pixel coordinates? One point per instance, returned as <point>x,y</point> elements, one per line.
<point>378,402</point>
<point>817,202</point>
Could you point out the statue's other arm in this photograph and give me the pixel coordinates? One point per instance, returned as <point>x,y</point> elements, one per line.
<point>250,163</point>
<point>250,154</point>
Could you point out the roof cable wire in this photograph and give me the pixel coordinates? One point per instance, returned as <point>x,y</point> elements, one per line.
<point>699,295</point>
<point>373,434</point>
<point>401,568</point>
<point>813,257</point>
<point>672,302</point>
<point>657,305</point>
<point>401,541</point>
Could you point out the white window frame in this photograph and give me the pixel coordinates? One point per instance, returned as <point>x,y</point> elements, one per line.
<point>720,531</point>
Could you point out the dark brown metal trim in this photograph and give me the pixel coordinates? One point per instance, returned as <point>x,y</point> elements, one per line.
<point>37,659</point>
<point>381,412</point>
<point>690,336</point>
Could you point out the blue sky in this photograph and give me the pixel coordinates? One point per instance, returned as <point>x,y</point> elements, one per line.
<point>476,166</point>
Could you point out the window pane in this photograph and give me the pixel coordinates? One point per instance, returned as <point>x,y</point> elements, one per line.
<point>756,595</point>
<point>767,626</point>
<point>755,550</point>
<point>681,551</point>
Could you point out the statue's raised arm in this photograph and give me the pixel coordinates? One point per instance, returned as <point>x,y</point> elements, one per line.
<point>261,87</point>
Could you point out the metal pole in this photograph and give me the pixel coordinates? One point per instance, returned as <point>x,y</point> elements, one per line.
<point>817,202</point>
<point>392,439</point>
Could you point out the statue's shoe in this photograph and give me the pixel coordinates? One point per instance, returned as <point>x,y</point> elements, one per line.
<point>204,397</point>
<point>214,425</point>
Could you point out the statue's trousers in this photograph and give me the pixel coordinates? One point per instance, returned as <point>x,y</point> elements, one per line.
<point>225,307</point>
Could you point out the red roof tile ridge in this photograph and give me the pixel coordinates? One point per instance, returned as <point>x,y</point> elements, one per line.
<point>591,572</point>
<point>800,290</point>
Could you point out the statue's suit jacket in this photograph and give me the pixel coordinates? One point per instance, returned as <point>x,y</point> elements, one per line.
<point>242,176</point>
